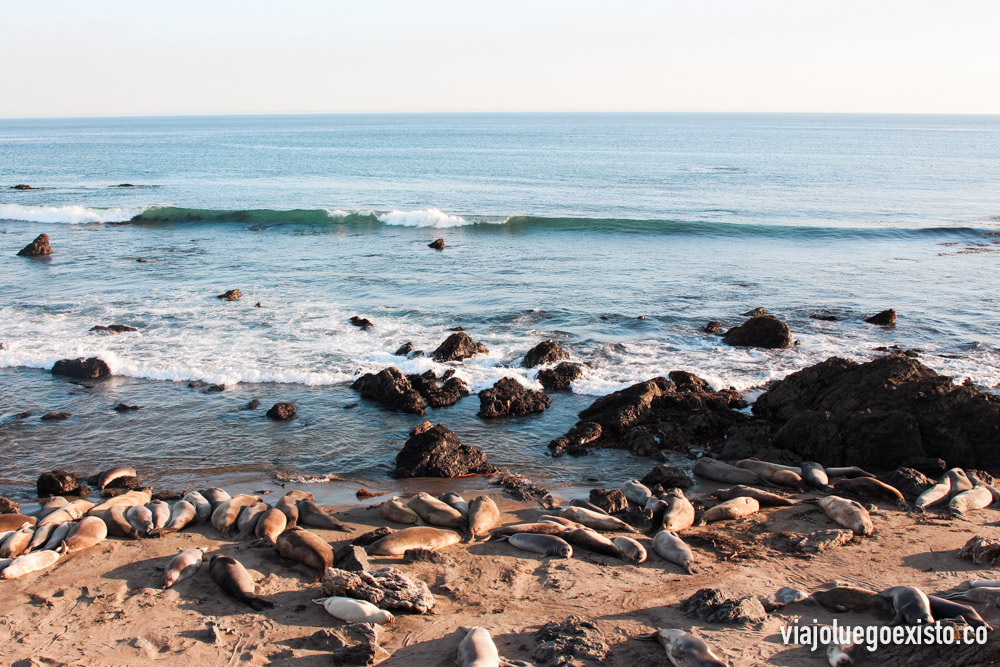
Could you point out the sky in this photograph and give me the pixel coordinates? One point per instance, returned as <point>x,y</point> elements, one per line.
<point>99,57</point>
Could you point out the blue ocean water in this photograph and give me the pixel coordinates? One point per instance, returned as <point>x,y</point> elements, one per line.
<point>567,226</point>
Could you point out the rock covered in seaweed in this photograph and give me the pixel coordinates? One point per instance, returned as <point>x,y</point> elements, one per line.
<point>391,389</point>
<point>457,347</point>
<point>761,331</point>
<point>436,394</point>
<point>560,377</point>
<point>282,411</point>
<point>91,368</point>
<point>435,451</point>
<point>510,398</point>
<point>546,352</point>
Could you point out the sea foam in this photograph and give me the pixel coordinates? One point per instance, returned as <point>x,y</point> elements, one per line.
<point>73,214</point>
<point>429,217</point>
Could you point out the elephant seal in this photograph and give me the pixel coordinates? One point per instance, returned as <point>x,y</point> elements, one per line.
<point>311,515</point>
<point>669,546</point>
<point>161,514</point>
<point>105,478</point>
<point>592,541</point>
<point>782,598</point>
<point>934,495</point>
<point>734,508</point>
<point>763,498</point>
<point>85,533</point>
<point>988,594</point>
<point>456,501</point>
<point>636,492</point>
<point>771,472</point>
<point>246,522</point>
<point>202,508</point>
<point>437,513</point>
<point>17,542</point>
<point>69,512</point>
<point>50,506</point>
<point>561,520</point>
<point>215,496</point>
<point>959,481</point>
<point>849,598</point>
<point>546,545</point>
<point>684,649</point>
<point>484,515</point>
<point>271,524</point>
<point>56,537</point>
<point>539,528</point>
<point>15,521</point>
<point>225,514</point>
<point>183,565</point>
<point>869,487</point>
<point>396,510</point>
<point>141,519</point>
<point>234,580</point>
<point>594,520</point>
<point>587,505</point>
<point>28,563</point>
<point>477,649</point>
<point>417,537</point>
<point>678,513</point>
<point>814,475</point>
<point>354,611</point>
<point>181,514</point>
<point>911,605</point>
<point>848,471</point>
<point>976,498</point>
<point>718,471</point>
<point>128,499</point>
<point>305,547</point>
<point>118,525</point>
<point>40,537</point>
<point>288,505</point>
<point>630,549</point>
<point>848,513</point>
<point>941,608</point>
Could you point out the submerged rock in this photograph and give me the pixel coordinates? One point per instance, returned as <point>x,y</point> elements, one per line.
<point>457,347</point>
<point>282,411</point>
<point>546,352</point>
<point>40,246</point>
<point>91,368</point>
<point>112,328</point>
<point>560,377</point>
<point>713,327</point>
<point>760,331</point>
<point>362,322</point>
<point>403,350</point>
<point>22,186</point>
<point>510,398</point>
<point>231,295</point>
<point>55,416</point>
<point>711,605</point>
<point>436,244</point>
<point>391,389</point>
<point>886,318</point>
<point>434,451</point>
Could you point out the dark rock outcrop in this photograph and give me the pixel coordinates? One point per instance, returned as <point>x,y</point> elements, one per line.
<point>8,506</point>
<point>560,377</point>
<point>55,416</point>
<point>761,331</point>
<point>911,483</point>
<point>362,322</point>
<point>40,246</point>
<point>756,312</point>
<point>390,388</point>
<point>351,558</point>
<point>282,411</point>
<point>711,605</point>
<point>439,395</point>
<point>823,316</point>
<point>546,352</point>
<point>21,186</point>
<point>404,349</point>
<point>231,295</point>
<point>668,477</point>
<point>437,452</point>
<point>58,483</point>
<point>91,368</point>
<point>112,328</point>
<point>457,347</point>
<point>654,415</point>
<point>887,318</point>
<point>612,502</point>
<point>713,327</point>
<point>437,244</point>
<point>510,398</point>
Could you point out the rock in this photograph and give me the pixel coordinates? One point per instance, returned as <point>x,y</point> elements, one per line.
<point>886,318</point>
<point>126,483</point>
<point>385,587</point>
<point>112,328</point>
<point>366,652</point>
<point>546,352</point>
<point>121,407</point>
<point>712,606</point>
<point>559,643</point>
<point>612,502</point>
<point>761,331</point>
<point>252,405</point>
<point>457,347</point>
<point>212,388</point>
<point>668,477</point>
<point>231,295</point>
<point>713,327</point>
<point>911,483</point>
<point>124,185</point>
<point>437,244</point>
<point>372,536</point>
<point>390,389</point>
<point>22,415</point>
<point>21,186</point>
<point>351,558</point>
<point>982,551</point>
<point>91,368</point>
<point>756,312</point>
<point>820,540</point>
<point>654,415</point>
<point>824,316</point>
<point>928,465</point>
<point>57,483</point>
<point>437,452</point>
<point>435,394</point>
<point>362,322</point>
<point>427,556</point>
<point>521,488</point>
<point>40,246</point>
<point>8,506</point>
<point>55,416</point>
<point>142,260</point>
<point>404,349</point>
<point>560,377</point>
<point>510,398</point>
<point>258,305</point>
<point>197,384</point>
<point>282,411</point>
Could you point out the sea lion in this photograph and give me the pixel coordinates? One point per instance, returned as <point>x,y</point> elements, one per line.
<point>869,487</point>
<point>678,514</point>
<point>718,471</point>
<point>246,522</point>
<point>311,515</point>
<point>456,501</point>
<point>734,508</point>
<point>814,474</point>
<point>911,605</point>
<point>417,537</point>
<point>477,649</point>
<point>669,546</point>
<point>935,494</point>
<point>848,471</point>
<point>288,505</point>
<point>630,549</point>
<point>118,525</point>
<point>305,547</point>
<point>271,524</point>
<point>183,565</point>
<point>161,514</point>
<point>15,521</point>
<point>484,515</point>
<point>17,542</point>
<point>941,608</point>
<point>354,611</point>
<point>636,492</point>
<point>141,519</point>
<point>27,563</point>
<point>959,481</point>
<point>976,498</point>
<point>546,545</point>
<point>51,505</point>
<point>771,472</point>
<point>215,496</point>
<point>234,579</point>
<point>849,598</point>
<point>127,499</point>
<point>202,508</point>
<point>396,510</point>
<point>69,512</point>
<point>539,528</point>
<point>85,533</point>
<point>988,594</point>
<point>225,514</point>
<point>108,476</point>
<point>592,541</point>
<point>181,514</point>
<point>437,513</point>
<point>57,536</point>
<point>594,520</point>
<point>684,649</point>
<point>763,498</point>
<point>848,513</point>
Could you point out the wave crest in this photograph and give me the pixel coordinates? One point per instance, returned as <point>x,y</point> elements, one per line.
<point>74,214</point>
<point>428,217</point>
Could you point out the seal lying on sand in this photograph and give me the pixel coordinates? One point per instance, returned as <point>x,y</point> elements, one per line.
<point>271,524</point>
<point>684,649</point>
<point>182,566</point>
<point>669,546</point>
<point>478,650</point>
<point>436,512</point>
<point>234,579</point>
<point>308,548</point>
<point>941,608</point>
<point>546,545</point>
<point>848,513</point>
<point>911,605</point>
<point>718,471</point>
<point>311,515</point>
<point>418,537</point>
<point>354,611</point>
<point>484,515</point>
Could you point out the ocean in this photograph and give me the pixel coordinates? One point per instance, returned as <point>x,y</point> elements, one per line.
<point>620,235</point>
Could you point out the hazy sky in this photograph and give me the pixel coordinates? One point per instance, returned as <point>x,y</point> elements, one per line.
<point>62,58</point>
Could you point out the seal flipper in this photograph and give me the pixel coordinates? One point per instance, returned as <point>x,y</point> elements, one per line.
<point>258,604</point>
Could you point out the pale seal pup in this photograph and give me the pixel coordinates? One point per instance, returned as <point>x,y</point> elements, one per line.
<point>215,496</point>
<point>456,501</point>
<point>763,498</point>
<point>85,533</point>
<point>181,514</point>
<point>271,524</point>
<point>225,514</point>
<point>546,545</point>
<point>477,649</point>
<point>133,497</point>
<point>437,513</point>
<point>111,475</point>
<point>305,547</point>
<point>592,519</point>
<point>941,608</point>
<point>246,522</point>
<point>734,508</point>
<point>980,583</point>
<point>311,515</point>
<point>959,481</point>
<point>17,542</point>
<point>911,605</point>
<point>396,510</point>
<point>771,472</point>
<point>202,508</point>
<point>814,474</point>
<point>354,611</point>
<point>849,514</point>
<point>40,536</point>
<point>417,537</point>
<point>669,546</point>
<point>679,512</point>
<point>636,492</point>
<point>586,504</point>
<point>234,579</point>
<point>630,549</point>
<point>719,471</point>
<point>183,565</point>
<point>484,515</point>
<point>974,499</point>
<point>161,514</point>
<point>684,649</point>
<point>32,562</point>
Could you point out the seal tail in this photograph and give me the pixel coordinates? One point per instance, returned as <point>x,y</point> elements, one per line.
<point>648,637</point>
<point>257,604</point>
